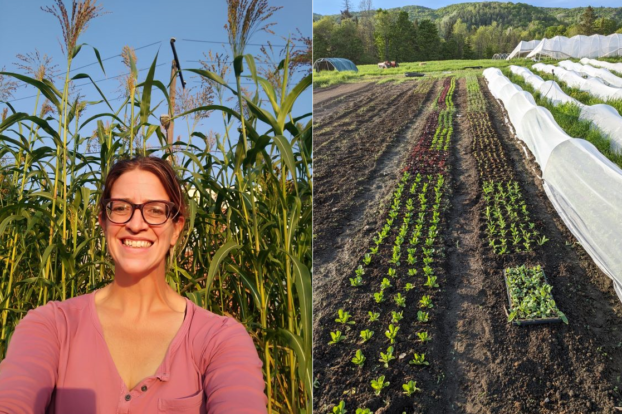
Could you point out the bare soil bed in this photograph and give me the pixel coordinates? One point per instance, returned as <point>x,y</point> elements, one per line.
<point>479,363</point>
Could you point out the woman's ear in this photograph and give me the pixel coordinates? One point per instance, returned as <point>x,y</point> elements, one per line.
<point>179,226</point>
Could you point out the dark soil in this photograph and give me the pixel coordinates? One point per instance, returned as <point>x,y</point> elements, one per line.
<point>479,363</point>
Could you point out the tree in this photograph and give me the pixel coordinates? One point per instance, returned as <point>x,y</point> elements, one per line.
<point>346,12</point>
<point>366,31</point>
<point>346,43</point>
<point>403,37</point>
<point>322,37</point>
<point>586,25</point>
<point>385,23</point>
<point>605,26</point>
<point>428,41</point>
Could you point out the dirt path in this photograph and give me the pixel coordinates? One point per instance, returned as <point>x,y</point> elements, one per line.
<point>335,92</point>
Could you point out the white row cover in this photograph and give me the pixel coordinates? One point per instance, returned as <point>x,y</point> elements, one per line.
<point>561,47</point>
<point>601,73</point>
<point>591,85</point>
<point>523,48</point>
<point>607,65</point>
<point>584,187</point>
<point>604,117</point>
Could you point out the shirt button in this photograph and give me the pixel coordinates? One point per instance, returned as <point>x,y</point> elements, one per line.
<point>128,397</point>
<point>143,388</point>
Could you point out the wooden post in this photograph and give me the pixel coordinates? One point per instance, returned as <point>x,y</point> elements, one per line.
<point>171,110</point>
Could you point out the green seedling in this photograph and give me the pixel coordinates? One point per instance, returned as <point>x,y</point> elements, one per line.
<point>419,359</point>
<point>431,282</point>
<point>359,271</point>
<point>411,260</point>
<point>396,316</point>
<point>542,240</point>
<point>427,261</point>
<point>343,317</point>
<point>400,300</point>
<point>373,250</point>
<point>426,302</point>
<point>392,332</point>
<point>409,286</point>
<point>373,316</point>
<point>366,335</point>
<point>428,271</point>
<point>340,408</point>
<point>363,411</point>
<point>367,259</point>
<point>336,337</point>
<point>423,317</point>
<point>412,272</point>
<point>379,297</point>
<point>385,284</point>
<point>356,281</point>
<point>390,221</point>
<point>392,272</point>
<point>359,358</point>
<point>424,337</point>
<point>410,388</point>
<point>387,357</point>
<point>412,251</point>
<point>379,384</point>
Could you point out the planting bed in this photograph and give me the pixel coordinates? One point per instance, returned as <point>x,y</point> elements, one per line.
<point>478,361</point>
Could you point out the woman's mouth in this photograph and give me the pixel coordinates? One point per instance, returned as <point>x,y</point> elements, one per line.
<point>137,244</point>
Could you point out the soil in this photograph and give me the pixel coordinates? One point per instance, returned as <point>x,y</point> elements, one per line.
<point>479,363</point>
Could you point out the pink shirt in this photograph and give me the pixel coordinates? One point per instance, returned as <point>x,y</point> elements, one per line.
<point>58,362</point>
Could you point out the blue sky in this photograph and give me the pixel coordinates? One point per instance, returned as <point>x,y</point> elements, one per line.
<point>24,27</point>
<point>334,6</point>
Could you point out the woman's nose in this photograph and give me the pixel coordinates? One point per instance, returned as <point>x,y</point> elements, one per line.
<point>137,223</point>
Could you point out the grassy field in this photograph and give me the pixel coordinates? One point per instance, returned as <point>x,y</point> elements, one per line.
<point>371,73</point>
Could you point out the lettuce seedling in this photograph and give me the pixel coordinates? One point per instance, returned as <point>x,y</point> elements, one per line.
<point>373,250</point>
<point>411,260</point>
<point>392,272</point>
<point>373,316</point>
<point>410,388</point>
<point>359,358</point>
<point>359,271</point>
<point>409,286</point>
<point>426,302</point>
<point>366,335</point>
<point>385,284</point>
<point>400,300</point>
<point>412,272</point>
<point>387,357</point>
<point>363,411</point>
<point>424,337</point>
<point>419,359</point>
<point>542,240</point>
<point>367,259</point>
<point>356,281</point>
<point>379,384</point>
<point>337,337</point>
<point>423,317</point>
<point>344,317</point>
<point>379,297</point>
<point>431,282</point>
<point>396,316</point>
<point>392,332</point>
<point>340,408</point>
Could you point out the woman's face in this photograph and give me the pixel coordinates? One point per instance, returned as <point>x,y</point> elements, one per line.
<point>150,243</point>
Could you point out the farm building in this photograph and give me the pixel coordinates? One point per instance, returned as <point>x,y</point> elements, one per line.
<point>338,64</point>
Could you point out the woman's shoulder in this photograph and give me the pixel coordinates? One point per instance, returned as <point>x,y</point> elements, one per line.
<point>206,325</point>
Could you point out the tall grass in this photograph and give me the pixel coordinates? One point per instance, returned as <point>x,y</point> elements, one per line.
<point>247,249</point>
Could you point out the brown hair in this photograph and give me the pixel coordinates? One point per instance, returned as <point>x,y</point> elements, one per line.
<point>154,165</point>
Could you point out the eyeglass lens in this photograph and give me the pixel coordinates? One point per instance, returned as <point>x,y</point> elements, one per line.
<point>154,212</point>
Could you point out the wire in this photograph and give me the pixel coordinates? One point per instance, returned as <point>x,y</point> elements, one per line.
<point>248,44</point>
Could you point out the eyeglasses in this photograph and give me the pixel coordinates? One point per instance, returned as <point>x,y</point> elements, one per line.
<point>154,212</point>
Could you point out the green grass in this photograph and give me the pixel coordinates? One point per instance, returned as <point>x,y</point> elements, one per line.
<point>372,73</point>
<point>567,117</point>
<point>581,96</point>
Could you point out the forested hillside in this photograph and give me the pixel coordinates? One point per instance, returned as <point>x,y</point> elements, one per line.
<point>458,31</point>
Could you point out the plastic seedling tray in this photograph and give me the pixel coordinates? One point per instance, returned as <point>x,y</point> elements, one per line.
<point>521,322</point>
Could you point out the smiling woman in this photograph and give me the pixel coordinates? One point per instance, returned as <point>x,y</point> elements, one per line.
<point>135,344</point>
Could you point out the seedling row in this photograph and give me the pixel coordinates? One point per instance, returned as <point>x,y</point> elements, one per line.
<point>397,281</point>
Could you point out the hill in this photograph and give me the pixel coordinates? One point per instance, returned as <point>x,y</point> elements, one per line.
<point>507,14</point>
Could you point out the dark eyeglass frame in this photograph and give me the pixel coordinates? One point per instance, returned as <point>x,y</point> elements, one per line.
<point>172,207</point>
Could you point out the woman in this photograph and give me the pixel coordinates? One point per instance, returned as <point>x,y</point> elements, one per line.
<point>134,346</point>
